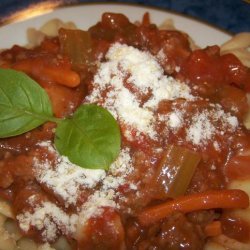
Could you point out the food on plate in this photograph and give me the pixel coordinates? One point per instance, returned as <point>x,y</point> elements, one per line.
<point>124,136</point>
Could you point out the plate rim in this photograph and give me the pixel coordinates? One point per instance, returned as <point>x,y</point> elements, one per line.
<point>5,21</point>
<point>85,15</point>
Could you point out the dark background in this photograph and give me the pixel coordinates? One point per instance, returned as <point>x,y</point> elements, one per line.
<point>230,15</point>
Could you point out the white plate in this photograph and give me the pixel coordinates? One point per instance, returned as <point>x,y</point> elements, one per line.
<point>88,14</point>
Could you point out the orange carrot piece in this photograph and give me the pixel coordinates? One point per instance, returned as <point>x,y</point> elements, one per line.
<point>213,229</point>
<point>60,75</point>
<point>193,202</point>
<point>64,77</point>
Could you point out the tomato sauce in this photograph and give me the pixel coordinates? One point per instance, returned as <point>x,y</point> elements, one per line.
<point>216,79</point>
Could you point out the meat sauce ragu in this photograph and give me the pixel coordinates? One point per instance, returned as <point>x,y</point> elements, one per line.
<point>214,78</point>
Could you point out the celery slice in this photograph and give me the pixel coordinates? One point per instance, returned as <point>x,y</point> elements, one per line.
<point>77,45</point>
<point>176,170</point>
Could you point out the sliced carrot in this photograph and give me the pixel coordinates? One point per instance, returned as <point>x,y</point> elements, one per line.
<point>213,229</point>
<point>39,67</point>
<point>64,77</point>
<point>194,202</point>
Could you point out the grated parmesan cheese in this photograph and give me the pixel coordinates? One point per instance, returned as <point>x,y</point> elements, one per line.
<point>66,178</point>
<point>161,56</point>
<point>206,124</point>
<point>126,64</point>
<point>106,195</point>
<point>201,129</point>
<point>175,119</point>
<point>47,217</point>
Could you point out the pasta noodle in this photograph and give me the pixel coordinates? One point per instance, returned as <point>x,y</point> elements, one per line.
<point>239,45</point>
<point>62,244</point>
<point>5,209</point>
<point>26,243</point>
<point>247,118</point>
<point>245,186</point>
<point>11,238</point>
<point>168,24</point>
<point>223,242</point>
<point>11,227</point>
<point>50,28</point>
<point>212,245</point>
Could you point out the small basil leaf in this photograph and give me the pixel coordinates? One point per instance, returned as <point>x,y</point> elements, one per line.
<point>90,139</point>
<point>24,105</point>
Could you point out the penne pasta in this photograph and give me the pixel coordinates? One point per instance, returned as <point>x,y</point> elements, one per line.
<point>239,41</point>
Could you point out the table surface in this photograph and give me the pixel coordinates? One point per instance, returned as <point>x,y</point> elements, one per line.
<point>230,15</point>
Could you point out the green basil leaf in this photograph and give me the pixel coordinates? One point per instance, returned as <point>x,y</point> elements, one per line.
<point>24,105</point>
<point>90,139</point>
